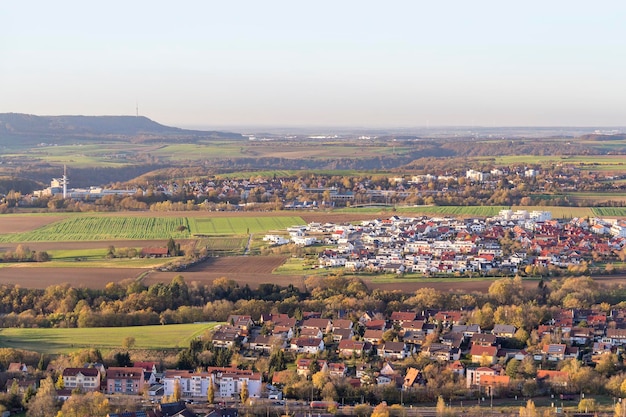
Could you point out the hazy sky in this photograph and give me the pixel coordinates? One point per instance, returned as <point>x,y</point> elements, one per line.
<point>318,63</point>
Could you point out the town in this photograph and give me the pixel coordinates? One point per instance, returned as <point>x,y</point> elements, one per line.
<point>439,184</point>
<point>513,242</point>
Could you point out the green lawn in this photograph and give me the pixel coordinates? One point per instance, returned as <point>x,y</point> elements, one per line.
<point>51,341</point>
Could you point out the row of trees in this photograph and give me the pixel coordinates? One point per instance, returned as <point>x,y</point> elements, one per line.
<point>22,253</point>
<point>132,303</point>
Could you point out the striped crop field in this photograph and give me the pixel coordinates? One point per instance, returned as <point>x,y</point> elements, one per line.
<point>482,211</point>
<point>485,211</point>
<point>54,341</point>
<point>241,225</point>
<point>87,228</point>
<point>609,211</point>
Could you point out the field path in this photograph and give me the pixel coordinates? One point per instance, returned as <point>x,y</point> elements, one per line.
<point>247,249</point>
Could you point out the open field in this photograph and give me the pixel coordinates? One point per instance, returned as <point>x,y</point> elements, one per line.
<point>560,212</point>
<point>91,245</point>
<point>78,228</point>
<point>225,245</point>
<point>51,341</point>
<point>148,226</point>
<point>586,162</point>
<point>482,211</point>
<point>251,270</point>
<point>610,211</point>
<point>301,173</point>
<point>595,198</point>
<point>241,225</point>
<point>76,277</point>
<point>20,223</point>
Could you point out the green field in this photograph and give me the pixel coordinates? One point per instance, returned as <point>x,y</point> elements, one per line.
<point>81,228</point>
<point>94,228</point>
<point>241,225</point>
<point>595,198</point>
<point>586,162</point>
<point>225,245</point>
<point>485,211</point>
<point>455,210</point>
<point>51,341</point>
<point>296,266</point>
<point>85,155</point>
<point>609,211</point>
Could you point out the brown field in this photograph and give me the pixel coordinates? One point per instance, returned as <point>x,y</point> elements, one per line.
<point>18,224</point>
<point>76,277</point>
<point>252,270</point>
<point>330,217</point>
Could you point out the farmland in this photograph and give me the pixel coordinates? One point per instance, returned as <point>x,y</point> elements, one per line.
<point>610,211</point>
<point>78,228</point>
<point>225,245</point>
<point>146,227</point>
<point>51,341</point>
<point>241,225</point>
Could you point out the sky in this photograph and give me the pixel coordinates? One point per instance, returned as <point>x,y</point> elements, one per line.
<point>318,63</point>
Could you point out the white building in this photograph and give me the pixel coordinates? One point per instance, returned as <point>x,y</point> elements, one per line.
<point>540,216</point>
<point>227,382</point>
<point>476,175</point>
<point>619,229</point>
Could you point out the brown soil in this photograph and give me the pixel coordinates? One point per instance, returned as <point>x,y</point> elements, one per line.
<point>18,224</point>
<point>253,270</point>
<point>76,277</point>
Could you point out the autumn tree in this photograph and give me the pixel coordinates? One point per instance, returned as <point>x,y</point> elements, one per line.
<point>587,405</point>
<point>44,403</point>
<point>210,393</point>
<point>529,410</point>
<point>128,342</point>
<point>93,404</point>
<point>244,394</point>
<point>381,410</point>
<point>176,394</point>
<point>60,384</point>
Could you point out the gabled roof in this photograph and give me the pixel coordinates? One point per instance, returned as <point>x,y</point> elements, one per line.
<point>478,350</point>
<point>411,376</point>
<point>93,372</point>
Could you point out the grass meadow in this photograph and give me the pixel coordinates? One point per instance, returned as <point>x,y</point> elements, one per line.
<point>53,341</point>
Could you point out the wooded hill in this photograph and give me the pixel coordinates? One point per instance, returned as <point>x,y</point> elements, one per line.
<point>30,129</point>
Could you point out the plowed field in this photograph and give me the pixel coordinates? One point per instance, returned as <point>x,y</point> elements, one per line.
<point>76,277</point>
<point>20,224</point>
<point>251,270</point>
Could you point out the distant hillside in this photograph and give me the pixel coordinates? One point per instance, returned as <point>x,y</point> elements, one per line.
<point>599,137</point>
<point>63,128</point>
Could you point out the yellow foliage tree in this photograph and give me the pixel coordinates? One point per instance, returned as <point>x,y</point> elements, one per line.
<point>529,411</point>
<point>381,410</point>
